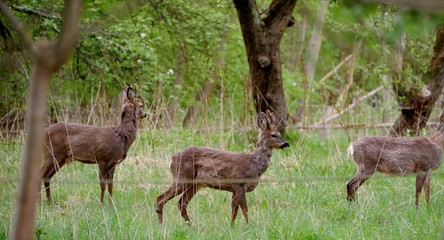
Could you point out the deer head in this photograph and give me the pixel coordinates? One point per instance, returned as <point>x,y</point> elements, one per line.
<point>269,135</point>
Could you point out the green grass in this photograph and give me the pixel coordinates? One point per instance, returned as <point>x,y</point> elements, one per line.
<point>301,196</point>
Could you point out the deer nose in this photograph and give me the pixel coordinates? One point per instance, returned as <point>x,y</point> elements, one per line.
<point>144,115</point>
<point>285,145</point>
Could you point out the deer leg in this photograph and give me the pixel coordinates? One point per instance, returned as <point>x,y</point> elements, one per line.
<point>239,199</point>
<point>185,199</point>
<point>427,187</point>
<point>103,171</point>
<point>234,208</point>
<point>174,190</point>
<point>47,172</point>
<point>355,183</point>
<point>420,179</point>
<point>109,179</point>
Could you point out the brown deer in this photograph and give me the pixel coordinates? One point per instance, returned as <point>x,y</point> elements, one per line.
<point>105,146</point>
<point>396,156</point>
<point>197,167</point>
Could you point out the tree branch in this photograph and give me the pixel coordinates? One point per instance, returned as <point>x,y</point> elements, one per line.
<point>18,26</point>
<point>351,106</point>
<point>69,34</point>
<point>278,9</point>
<point>31,11</point>
<point>249,20</point>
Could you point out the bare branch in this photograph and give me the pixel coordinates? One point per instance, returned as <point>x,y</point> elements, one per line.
<point>18,26</point>
<point>351,106</point>
<point>70,31</point>
<point>335,69</point>
<point>31,11</point>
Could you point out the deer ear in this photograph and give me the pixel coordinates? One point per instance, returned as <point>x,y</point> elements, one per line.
<point>271,118</point>
<point>262,121</point>
<point>130,93</point>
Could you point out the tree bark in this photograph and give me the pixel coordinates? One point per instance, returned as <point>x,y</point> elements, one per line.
<point>415,115</point>
<point>262,36</point>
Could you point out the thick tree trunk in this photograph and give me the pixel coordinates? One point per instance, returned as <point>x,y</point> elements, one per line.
<point>415,115</point>
<point>262,36</point>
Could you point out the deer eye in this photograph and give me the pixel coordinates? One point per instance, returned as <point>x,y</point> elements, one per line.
<point>274,136</point>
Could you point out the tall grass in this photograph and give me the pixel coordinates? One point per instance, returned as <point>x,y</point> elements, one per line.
<point>301,196</point>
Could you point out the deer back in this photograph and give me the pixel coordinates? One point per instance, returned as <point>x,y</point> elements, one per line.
<point>395,155</point>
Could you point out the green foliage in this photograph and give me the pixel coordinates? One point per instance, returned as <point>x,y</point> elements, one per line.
<point>172,50</point>
<point>168,49</point>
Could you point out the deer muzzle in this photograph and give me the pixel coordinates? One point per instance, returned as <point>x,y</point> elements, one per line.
<point>285,145</point>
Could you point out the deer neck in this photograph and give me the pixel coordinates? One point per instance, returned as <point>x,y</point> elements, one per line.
<point>127,129</point>
<point>262,157</point>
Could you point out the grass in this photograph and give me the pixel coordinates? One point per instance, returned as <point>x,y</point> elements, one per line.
<point>301,196</point>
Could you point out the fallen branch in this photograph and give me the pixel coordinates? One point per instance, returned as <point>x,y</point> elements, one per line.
<point>335,69</point>
<point>351,106</point>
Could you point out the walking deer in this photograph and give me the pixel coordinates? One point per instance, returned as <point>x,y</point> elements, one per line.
<point>197,167</point>
<point>396,156</point>
<point>105,146</point>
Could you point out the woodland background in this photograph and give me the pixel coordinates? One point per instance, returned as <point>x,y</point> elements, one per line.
<point>188,61</point>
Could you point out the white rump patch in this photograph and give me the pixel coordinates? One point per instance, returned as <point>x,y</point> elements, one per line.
<point>350,151</point>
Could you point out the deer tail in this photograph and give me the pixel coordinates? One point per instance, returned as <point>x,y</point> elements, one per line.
<point>350,151</point>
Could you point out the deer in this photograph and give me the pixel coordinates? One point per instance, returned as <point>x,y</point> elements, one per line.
<point>106,146</point>
<point>396,156</point>
<point>197,167</point>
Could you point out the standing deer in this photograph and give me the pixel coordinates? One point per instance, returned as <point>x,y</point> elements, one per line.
<point>197,167</point>
<point>396,156</point>
<point>105,146</point>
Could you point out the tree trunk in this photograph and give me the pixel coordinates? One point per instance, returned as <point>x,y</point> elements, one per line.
<point>301,40</point>
<point>211,82</point>
<point>314,44</point>
<point>262,33</point>
<point>414,116</point>
<point>48,58</point>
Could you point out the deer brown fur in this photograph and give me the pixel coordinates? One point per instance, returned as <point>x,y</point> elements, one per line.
<point>396,156</point>
<point>239,173</point>
<point>105,146</point>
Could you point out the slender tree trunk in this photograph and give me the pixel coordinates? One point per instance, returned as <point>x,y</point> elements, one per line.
<point>48,58</point>
<point>296,116</point>
<point>314,45</point>
<point>312,55</point>
<point>301,39</point>
<point>262,35</point>
<point>415,115</point>
<point>204,94</point>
